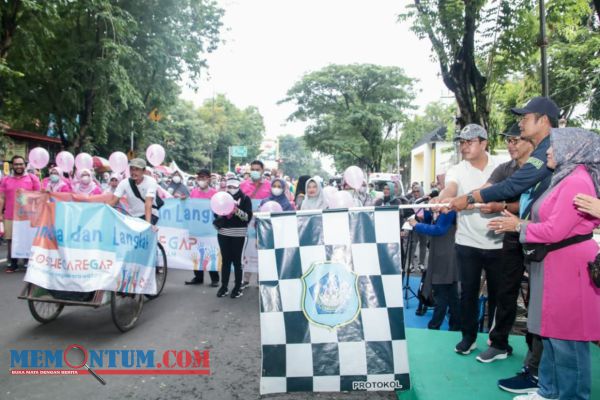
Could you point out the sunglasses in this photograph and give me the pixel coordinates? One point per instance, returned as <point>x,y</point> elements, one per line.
<point>512,140</point>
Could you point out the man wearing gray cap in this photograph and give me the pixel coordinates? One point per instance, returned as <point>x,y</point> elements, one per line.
<point>476,247</point>
<point>141,197</point>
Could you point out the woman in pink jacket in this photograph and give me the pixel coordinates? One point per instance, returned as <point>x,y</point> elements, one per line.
<point>565,305</point>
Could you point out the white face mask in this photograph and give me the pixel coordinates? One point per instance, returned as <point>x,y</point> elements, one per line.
<point>233,192</point>
<point>202,184</point>
<point>177,179</point>
<point>276,191</point>
<point>86,179</point>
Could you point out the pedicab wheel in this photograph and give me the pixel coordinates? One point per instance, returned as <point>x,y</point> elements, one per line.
<point>44,312</point>
<point>125,309</point>
<point>161,271</point>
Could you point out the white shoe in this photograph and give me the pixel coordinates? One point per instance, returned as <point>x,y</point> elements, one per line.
<point>530,396</point>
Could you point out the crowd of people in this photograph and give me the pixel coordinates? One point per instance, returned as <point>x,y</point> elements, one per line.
<point>490,217</point>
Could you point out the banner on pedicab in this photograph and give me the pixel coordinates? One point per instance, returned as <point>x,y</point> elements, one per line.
<point>85,247</point>
<point>28,205</point>
<point>188,235</point>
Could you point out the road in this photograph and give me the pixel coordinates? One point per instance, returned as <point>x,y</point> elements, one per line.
<point>183,317</point>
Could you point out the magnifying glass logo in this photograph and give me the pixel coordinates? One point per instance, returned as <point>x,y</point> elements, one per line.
<point>76,357</point>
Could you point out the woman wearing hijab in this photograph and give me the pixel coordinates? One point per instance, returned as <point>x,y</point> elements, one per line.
<point>113,182</point>
<point>314,199</point>
<point>178,188</point>
<point>232,230</point>
<point>564,307</point>
<point>55,183</point>
<point>388,196</point>
<point>300,190</point>
<point>278,195</point>
<point>86,184</point>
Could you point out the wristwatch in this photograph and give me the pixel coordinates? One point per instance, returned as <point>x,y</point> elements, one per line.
<point>470,199</point>
<point>518,228</point>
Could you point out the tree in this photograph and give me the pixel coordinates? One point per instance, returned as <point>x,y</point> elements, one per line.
<point>227,125</point>
<point>297,159</point>
<point>451,28</point>
<point>353,111</point>
<point>94,67</point>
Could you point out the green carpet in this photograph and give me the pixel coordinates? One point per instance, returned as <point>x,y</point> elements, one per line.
<point>437,372</point>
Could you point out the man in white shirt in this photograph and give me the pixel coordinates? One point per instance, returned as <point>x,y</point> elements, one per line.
<point>140,203</point>
<point>476,247</point>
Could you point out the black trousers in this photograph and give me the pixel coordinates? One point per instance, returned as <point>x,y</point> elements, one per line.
<point>231,253</point>
<point>214,275</point>
<point>446,300</point>
<point>471,261</point>
<point>508,291</point>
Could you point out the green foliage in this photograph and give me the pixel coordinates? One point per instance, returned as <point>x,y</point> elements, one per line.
<point>98,66</point>
<point>353,111</point>
<point>297,158</point>
<point>226,125</point>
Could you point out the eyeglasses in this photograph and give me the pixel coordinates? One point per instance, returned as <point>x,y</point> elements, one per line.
<point>512,140</point>
<point>469,142</point>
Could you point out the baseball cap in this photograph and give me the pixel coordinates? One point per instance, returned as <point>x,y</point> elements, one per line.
<point>540,105</point>
<point>472,131</point>
<point>233,181</point>
<point>513,131</point>
<point>138,163</point>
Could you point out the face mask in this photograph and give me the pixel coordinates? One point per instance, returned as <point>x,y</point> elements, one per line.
<point>86,179</point>
<point>276,191</point>
<point>54,178</point>
<point>255,175</point>
<point>233,192</point>
<point>202,184</point>
<point>176,179</point>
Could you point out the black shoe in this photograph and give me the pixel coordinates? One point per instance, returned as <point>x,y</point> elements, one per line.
<point>421,311</point>
<point>194,281</point>
<point>465,347</point>
<point>214,284</point>
<point>235,293</point>
<point>223,292</point>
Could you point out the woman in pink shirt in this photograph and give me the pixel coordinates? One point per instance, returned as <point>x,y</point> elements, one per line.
<point>86,184</point>
<point>565,304</point>
<point>55,183</point>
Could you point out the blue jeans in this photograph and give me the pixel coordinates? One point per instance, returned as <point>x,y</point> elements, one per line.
<point>565,370</point>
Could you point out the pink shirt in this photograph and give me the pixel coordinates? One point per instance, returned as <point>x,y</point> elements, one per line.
<point>249,187</point>
<point>63,188</point>
<point>9,187</point>
<point>202,194</point>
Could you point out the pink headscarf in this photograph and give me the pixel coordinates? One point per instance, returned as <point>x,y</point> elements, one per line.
<point>90,188</point>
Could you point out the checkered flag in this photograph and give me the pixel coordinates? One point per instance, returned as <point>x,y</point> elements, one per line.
<point>331,308</point>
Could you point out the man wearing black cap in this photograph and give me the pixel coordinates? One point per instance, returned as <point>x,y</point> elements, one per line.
<point>537,118</point>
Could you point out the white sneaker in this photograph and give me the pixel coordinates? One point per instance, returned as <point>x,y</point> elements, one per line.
<point>530,396</point>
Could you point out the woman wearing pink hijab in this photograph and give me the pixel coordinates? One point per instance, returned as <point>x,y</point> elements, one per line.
<point>56,183</point>
<point>86,184</point>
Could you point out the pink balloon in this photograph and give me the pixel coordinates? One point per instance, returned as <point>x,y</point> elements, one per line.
<point>84,161</point>
<point>354,177</point>
<point>65,161</point>
<point>341,199</point>
<point>271,206</point>
<point>118,161</point>
<point>155,154</point>
<point>39,157</point>
<point>222,203</point>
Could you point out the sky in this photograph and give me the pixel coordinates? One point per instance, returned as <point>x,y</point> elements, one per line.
<point>270,44</point>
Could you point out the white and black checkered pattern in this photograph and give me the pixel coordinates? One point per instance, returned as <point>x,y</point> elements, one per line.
<point>298,355</point>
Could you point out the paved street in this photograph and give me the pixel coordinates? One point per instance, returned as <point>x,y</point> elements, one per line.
<point>183,317</point>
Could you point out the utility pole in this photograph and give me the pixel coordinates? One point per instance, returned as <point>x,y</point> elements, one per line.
<point>543,45</point>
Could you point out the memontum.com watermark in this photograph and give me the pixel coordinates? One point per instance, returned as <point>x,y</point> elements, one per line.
<point>77,360</point>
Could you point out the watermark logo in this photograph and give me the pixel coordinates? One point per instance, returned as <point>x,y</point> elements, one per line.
<point>77,360</point>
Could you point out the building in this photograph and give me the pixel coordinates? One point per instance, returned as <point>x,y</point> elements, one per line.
<point>18,142</point>
<point>430,157</point>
